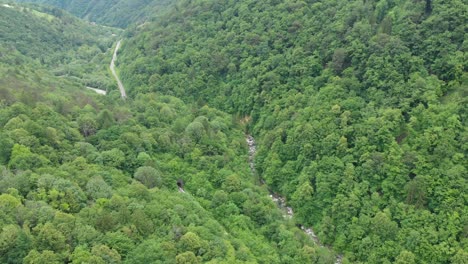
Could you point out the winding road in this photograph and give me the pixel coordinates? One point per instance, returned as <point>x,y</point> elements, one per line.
<point>123,94</point>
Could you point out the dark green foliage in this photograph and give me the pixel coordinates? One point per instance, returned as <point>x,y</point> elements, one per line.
<point>358,109</point>
<point>118,13</point>
<point>86,179</point>
<point>53,39</point>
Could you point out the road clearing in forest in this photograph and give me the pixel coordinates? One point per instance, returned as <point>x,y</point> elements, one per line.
<point>123,94</point>
<point>99,91</point>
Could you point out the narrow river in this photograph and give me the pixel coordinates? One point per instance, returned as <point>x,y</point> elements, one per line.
<point>279,200</point>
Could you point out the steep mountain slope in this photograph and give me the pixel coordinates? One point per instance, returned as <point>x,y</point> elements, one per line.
<point>67,46</point>
<point>39,32</point>
<point>359,108</point>
<point>118,13</point>
<point>86,178</point>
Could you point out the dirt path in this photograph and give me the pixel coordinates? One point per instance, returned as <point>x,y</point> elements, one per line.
<point>123,94</point>
<point>99,91</point>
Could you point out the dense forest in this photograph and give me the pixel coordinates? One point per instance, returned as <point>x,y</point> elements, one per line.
<point>358,108</point>
<point>51,38</point>
<point>86,178</point>
<point>117,13</point>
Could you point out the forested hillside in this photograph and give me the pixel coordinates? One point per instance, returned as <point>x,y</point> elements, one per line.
<point>86,178</point>
<point>53,39</point>
<point>88,181</point>
<point>359,108</point>
<point>117,13</point>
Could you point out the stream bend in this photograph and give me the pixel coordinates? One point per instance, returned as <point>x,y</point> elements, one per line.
<point>280,201</point>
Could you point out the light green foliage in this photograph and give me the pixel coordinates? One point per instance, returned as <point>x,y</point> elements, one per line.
<point>232,183</point>
<point>357,107</point>
<point>7,238</point>
<point>195,130</point>
<point>187,258</point>
<point>22,158</point>
<point>45,36</point>
<point>113,158</point>
<point>44,257</point>
<point>405,257</point>
<point>49,238</point>
<point>83,206</point>
<point>149,176</point>
<point>82,255</point>
<point>191,242</point>
<point>15,244</point>
<point>9,202</point>
<point>97,188</point>
<point>107,254</point>
<point>119,13</point>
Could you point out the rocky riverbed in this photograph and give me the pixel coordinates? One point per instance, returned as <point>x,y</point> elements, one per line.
<point>279,200</point>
